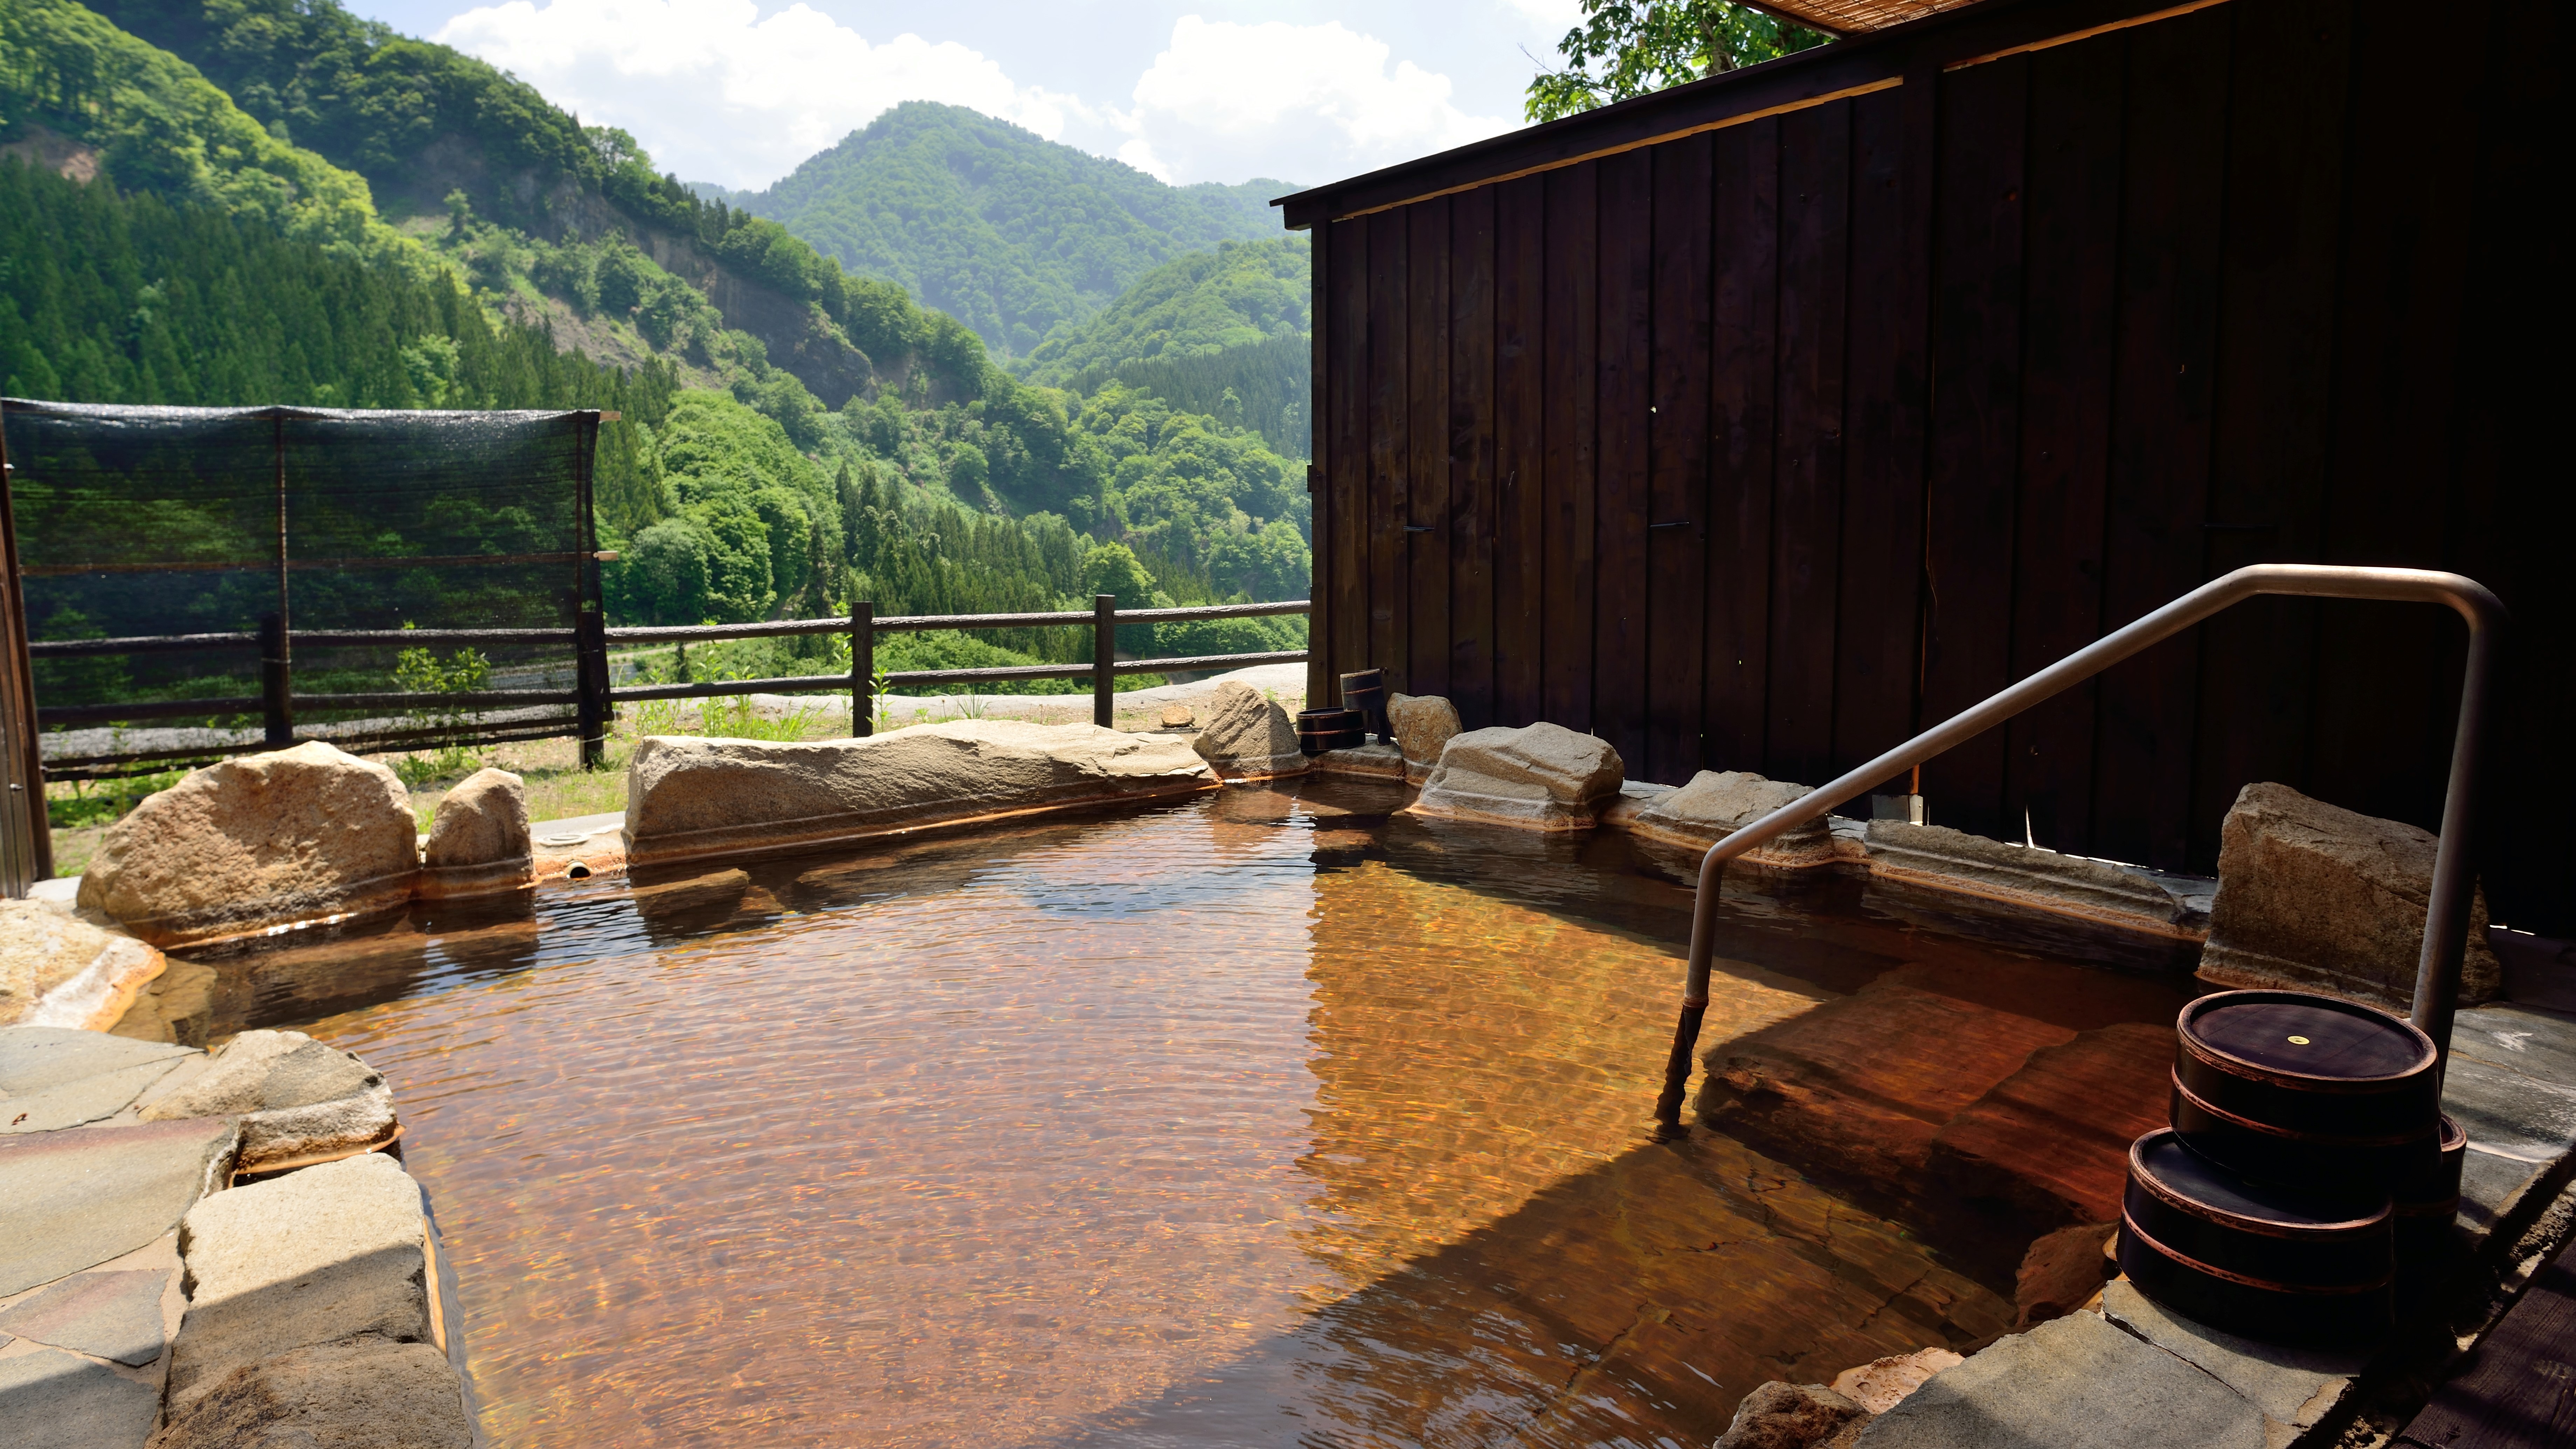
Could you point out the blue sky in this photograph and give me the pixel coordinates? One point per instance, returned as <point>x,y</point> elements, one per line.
<point>739,91</point>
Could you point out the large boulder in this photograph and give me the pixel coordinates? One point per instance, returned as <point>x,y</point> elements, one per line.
<point>1245,735</point>
<point>335,1254</point>
<point>1716,804</point>
<point>478,843</point>
<point>265,840</point>
<point>695,797</point>
<point>297,1099</point>
<point>1423,726</point>
<point>58,970</point>
<point>1538,777</point>
<point>2320,898</point>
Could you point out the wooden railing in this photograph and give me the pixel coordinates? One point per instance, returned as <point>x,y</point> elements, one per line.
<point>593,699</point>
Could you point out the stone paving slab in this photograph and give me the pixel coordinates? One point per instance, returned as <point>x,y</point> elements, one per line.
<point>74,1199</point>
<point>103,1314</point>
<point>2294,1387</point>
<point>54,1400</point>
<point>2512,1086</point>
<point>2072,1383</point>
<point>83,1101</point>
<point>37,1058</point>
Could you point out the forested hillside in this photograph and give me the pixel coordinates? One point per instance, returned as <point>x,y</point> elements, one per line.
<point>550,219</point>
<point>108,298</point>
<point>99,101</point>
<point>1009,233</point>
<point>167,245</point>
<point>1223,333</point>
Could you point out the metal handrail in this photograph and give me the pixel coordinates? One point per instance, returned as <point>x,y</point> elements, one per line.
<point>2446,916</point>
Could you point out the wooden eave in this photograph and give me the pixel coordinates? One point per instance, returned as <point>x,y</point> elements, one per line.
<point>1972,32</point>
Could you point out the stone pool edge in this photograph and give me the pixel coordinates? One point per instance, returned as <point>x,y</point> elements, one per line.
<point>164,1286</point>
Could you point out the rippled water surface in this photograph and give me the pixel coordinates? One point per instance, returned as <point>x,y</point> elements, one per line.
<point>1256,1120</point>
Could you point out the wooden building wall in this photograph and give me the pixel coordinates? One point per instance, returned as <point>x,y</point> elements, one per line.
<point>1758,424</point>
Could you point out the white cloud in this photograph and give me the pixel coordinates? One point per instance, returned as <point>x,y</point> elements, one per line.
<point>1311,103</point>
<point>718,94</point>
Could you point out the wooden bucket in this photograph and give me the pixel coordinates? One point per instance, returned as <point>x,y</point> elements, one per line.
<point>2252,1258</point>
<point>2289,1087</point>
<point>1319,730</point>
<point>1365,692</point>
<point>2428,1201</point>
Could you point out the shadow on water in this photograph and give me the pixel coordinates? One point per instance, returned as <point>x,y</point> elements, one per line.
<point>1631,1304</point>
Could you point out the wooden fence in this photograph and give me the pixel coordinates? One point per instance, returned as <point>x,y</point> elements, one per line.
<point>1759,423</point>
<point>593,699</point>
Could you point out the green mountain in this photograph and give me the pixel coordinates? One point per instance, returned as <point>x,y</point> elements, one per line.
<point>550,220</point>
<point>1011,234</point>
<point>1223,333</point>
<point>771,398</point>
<point>85,98</point>
<point>1236,295</point>
<point>113,298</point>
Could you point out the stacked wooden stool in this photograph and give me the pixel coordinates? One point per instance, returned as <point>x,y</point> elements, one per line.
<point>2309,1177</point>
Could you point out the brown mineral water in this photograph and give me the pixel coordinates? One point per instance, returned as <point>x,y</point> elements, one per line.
<point>1254,1120</point>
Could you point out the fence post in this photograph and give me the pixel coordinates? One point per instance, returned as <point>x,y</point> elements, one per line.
<point>863,669</point>
<point>590,685</point>
<point>1104,653</point>
<point>26,842</point>
<point>276,681</point>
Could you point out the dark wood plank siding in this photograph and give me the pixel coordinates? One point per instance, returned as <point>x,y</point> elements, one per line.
<point>1472,499</point>
<point>1349,468</point>
<point>1744,440</point>
<point>1520,451</point>
<point>2276,336</point>
<point>1570,359</point>
<point>1976,347</point>
<point>1806,506</point>
<point>1390,448</point>
<point>2390,447</point>
<point>1426,509</point>
<point>2072,256</point>
<point>1625,488</point>
<point>1677,419</point>
<point>1763,446</point>
<point>2167,315</point>
<point>1878,621</point>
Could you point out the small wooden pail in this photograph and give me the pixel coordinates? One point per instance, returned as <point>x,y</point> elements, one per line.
<point>2253,1258</point>
<point>1365,691</point>
<point>1319,730</point>
<point>2289,1087</point>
